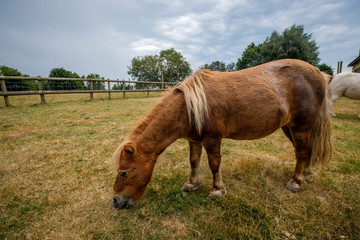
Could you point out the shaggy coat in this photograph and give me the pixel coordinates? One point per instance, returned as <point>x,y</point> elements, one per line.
<point>209,106</point>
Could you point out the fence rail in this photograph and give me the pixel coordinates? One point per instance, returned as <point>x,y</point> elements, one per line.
<point>42,86</point>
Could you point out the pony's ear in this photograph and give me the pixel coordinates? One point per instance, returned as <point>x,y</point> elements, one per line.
<point>129,148</point>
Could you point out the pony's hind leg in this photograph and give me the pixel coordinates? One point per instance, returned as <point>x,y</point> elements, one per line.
<point>302,146</point>
<point>287,132</point>
<point>195,154</point>
<point>212,148</point>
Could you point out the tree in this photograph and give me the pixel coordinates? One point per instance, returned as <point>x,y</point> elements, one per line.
<point>220,66</point>
<point>216,66</point>
<point>250,57</point>
<point>231,67</point>
<point>292,43</point>
<point>17,85</point>
<point>326,68</point>
<point>174,66</point>
<point>96,85</point>
<point>170,63</point>
<point>147,68</point>
<point>63,85</point>
<point>8,71</point>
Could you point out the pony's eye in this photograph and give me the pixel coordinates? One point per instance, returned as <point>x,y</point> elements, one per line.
<point>123,174</point>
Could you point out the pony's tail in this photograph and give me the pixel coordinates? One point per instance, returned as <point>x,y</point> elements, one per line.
<point>321,133</point>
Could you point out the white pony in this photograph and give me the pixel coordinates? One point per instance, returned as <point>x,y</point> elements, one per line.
<point>345,84</point>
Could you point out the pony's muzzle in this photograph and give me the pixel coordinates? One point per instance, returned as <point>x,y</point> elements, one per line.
<point>122,202</point>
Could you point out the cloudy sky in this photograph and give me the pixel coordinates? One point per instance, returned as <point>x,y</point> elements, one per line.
<point>88,36</point>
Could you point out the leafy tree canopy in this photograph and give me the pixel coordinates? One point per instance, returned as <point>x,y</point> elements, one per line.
<point>62,73</point>
<point>250,57</point>
<point>169,62</point>
<point>94,76</point>
<point>8,71</point>
<point>63,85</point>
<point>220,66</point>
<point>96,85</point>
<point>17,85</point>
<point>326,68</point>
<point>292,43</point>
<point>216,66</point>
<point>231,67</point>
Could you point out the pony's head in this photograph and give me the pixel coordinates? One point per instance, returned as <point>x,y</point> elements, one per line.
<point>134,170</point>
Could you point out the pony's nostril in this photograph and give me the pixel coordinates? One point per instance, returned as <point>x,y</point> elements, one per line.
<point>114,200</point>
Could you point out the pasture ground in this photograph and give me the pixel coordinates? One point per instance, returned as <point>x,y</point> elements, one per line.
<point>56,179</point>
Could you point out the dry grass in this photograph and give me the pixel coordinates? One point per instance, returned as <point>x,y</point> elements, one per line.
<point>56,179</point>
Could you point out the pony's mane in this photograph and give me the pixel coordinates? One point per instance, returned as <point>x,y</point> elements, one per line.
<point>195,97</point>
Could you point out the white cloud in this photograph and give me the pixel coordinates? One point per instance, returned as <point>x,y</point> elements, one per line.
<point>182,28</point>
<point>147,46</point>
<point>328,33</point>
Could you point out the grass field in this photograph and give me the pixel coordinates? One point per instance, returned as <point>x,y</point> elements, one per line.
<point>56,179</point>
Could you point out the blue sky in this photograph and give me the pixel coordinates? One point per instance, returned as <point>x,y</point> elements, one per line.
<point>87,36</point>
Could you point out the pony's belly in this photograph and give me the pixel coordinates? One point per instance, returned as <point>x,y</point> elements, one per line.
<point>252,131</point>
<point>258,123</point>
<point>353,93</point>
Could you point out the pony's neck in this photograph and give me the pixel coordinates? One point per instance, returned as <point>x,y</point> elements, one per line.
<point>166,123</point>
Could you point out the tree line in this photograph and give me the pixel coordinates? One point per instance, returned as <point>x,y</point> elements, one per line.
<point>171,66</point>
<point>21,85</point>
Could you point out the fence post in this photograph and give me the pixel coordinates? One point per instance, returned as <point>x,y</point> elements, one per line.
<point>162,81</point>
<point>109,89</point>
<point>41,90</point>
<point>91,90</point>
<point>124,89</point>
<point>6,98</point>
<point>148,93</point>
<point>339,67</point>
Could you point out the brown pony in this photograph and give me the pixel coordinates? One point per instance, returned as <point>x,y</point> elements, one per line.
<point>209,106</point>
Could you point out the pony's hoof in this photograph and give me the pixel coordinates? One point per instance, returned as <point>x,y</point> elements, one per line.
<point>216,194</point>
<point>188,187</point>
<point>333,114</point>
<point>293,186</point>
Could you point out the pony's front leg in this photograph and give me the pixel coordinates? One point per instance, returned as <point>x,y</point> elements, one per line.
<point>214,157</point>
<point>333,97</point>
<point>195,154</point>
<point>331,108</point>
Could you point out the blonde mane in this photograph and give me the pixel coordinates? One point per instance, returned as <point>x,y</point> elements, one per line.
<point>195,97</point>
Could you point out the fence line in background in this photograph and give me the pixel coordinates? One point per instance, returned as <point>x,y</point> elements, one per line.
<point>41,92</point>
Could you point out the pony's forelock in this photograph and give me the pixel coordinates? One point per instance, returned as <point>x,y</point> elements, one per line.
<point>115,159</point>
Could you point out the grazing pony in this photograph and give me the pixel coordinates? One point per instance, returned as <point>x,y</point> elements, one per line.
<point>209,106</point>
<point>344,84</point>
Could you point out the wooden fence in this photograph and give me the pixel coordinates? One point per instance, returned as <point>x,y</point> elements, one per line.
<point>39,82</point>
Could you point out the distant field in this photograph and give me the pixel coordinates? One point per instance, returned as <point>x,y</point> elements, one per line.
<point>56,179</point>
